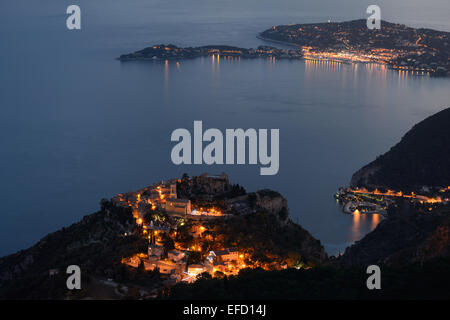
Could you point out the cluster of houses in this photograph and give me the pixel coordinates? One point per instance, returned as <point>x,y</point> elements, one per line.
<point>163,195</point>
<point>173,266</point>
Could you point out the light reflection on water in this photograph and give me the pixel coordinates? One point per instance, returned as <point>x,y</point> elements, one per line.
<point>362,223</point>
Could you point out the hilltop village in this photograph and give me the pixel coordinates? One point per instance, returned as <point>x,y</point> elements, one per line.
<point>191,229</point>
<point>144,243</point>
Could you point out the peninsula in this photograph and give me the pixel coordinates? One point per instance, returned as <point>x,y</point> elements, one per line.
<point>420,51</point>
<point>399,46</point>
<point>172,52</point>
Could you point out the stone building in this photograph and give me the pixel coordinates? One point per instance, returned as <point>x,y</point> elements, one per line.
<point>178,206</point>
<point>211,184</point>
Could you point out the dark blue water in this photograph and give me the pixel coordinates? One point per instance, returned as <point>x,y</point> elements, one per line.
<point>77,125</point>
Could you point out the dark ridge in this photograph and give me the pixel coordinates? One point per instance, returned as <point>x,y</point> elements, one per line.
<point>421,158</point>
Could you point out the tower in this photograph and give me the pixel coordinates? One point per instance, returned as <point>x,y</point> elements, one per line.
<point>173,191</point>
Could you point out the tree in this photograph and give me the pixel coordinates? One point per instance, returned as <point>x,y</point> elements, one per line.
<point>148,217</point>
<point>194,257</point>
<point>168,242</point>
<point>252,199</point>
<point>293,258</point>
<point>204,276</point>
<point>283,214</point>
<point>104,204</point>
<point>141,267</point>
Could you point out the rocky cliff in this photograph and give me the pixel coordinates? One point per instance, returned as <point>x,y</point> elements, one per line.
<point>271,201</point>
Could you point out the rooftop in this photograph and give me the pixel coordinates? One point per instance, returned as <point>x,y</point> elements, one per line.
<point>178,200</point>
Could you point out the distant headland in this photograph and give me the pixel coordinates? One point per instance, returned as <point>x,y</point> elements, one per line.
<point>399,46</point>
<point>420,51</point>
<point>172,52</point>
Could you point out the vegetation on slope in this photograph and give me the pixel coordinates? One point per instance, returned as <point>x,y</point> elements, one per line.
<point>421,158</point>
<point>426,281</point>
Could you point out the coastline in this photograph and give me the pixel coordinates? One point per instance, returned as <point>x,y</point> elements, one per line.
<point>321,42</point>
<point>401,48</point>
<point>389,66</point>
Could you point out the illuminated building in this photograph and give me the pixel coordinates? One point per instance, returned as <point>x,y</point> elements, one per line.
<point>178,206</point>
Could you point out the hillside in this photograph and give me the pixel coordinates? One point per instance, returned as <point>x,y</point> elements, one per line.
<point>421,158</point>
<point>103,243</point>
<point>409,235</point>
<point>96,244</point>
<point>324,282</point>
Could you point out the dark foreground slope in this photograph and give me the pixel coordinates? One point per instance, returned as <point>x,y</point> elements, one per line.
<point>427,281</point>
<point>411,247</point>
<point>409,235</point>
<point>96,244</point>
<point>422,157</point>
